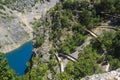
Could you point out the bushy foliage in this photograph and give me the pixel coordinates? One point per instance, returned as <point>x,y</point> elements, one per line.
<point>86,65</point>
<point>111,42</point>
<point>39,41</point>
<point>73,16</point>
<point>108,6</point>
<point>5,72</point>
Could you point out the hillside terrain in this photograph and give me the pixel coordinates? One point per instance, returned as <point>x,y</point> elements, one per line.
<point>72,40</point>
<point>15,21</point>
<point>80,38</point>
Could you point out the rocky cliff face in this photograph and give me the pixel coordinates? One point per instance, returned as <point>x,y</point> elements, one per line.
<point>15,19</point>
<point>112,75</point>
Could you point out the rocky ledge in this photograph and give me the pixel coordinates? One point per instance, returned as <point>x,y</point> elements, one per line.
<point>112,75</point>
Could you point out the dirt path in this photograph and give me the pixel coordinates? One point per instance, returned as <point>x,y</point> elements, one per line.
<point>97,31</point>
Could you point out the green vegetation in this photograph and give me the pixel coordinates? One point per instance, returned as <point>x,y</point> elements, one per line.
<point>68,23</point>
<point>108,6</point>
<point>36,73</point>
<point>36,24</point>
<point>5,72</point>
<point>1,6</point>
<point>72,19</point>
<point>112,45</point>
<point>71,43</point>
<point>6,35</point>
<point>39,41</point>
<point>86,65</point>
<point>27,34</point>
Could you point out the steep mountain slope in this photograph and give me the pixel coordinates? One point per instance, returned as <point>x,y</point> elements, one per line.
<point>74,39</point>
<point>15,19</point>
<point>74,42</point>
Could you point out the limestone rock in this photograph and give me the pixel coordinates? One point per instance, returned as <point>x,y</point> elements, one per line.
<point>112,75</point>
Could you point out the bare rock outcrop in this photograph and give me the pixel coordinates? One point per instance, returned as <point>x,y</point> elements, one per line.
<point>112,75</point>
<point>15,21</point>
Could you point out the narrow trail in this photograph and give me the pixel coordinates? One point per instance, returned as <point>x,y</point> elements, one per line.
<point>94,33</point>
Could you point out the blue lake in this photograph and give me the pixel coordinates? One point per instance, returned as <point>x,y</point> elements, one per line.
<point>17,59</point>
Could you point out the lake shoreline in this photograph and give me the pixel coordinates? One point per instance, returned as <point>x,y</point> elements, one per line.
<point>18,58</point>
<point>16,47</point>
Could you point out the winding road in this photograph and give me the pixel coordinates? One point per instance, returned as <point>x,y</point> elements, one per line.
<point>94,33</point>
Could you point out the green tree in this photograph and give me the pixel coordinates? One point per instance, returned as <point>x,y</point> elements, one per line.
<point>116,45</point>
<point>89,19</point>
<point>63,76</point>
<point>5,72</point>
<point>117,6</point>
<point>67,4</point>
<point>111,42</point>
<point>39,41</point>
<point>38,71</point>
<point>106,6</point>
<point>86,65</point>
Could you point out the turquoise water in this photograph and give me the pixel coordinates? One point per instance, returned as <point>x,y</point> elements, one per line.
<point>18,58</point>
